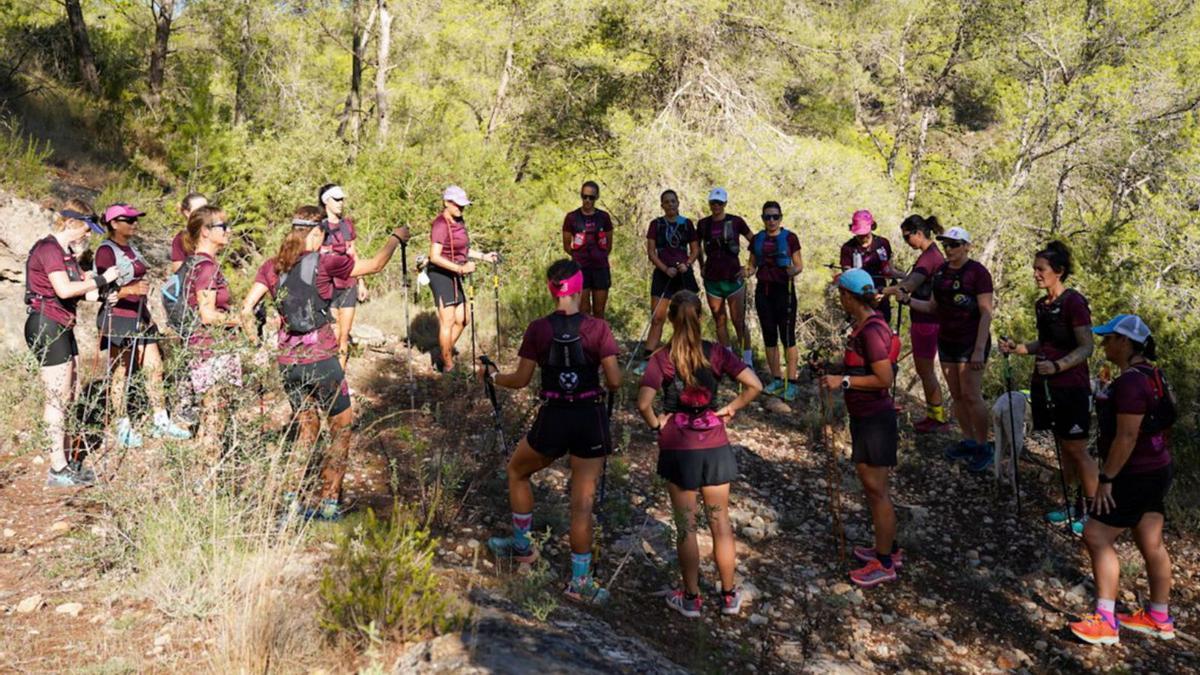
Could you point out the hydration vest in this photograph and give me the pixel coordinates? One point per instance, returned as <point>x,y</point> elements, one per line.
<point>126,276</point>
<point>569,375</point>
<point>966,304</point>
<point>301,306</point>
<point>670,234</point>
<point>175,293</point>
<point>781,257</point>
<point>1052,325</point>
<point>692,407</point>
<point>728,241</point>
<point>582,238</point>
<point>855,363</point>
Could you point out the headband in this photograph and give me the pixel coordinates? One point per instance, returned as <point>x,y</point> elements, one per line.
<point>568,286</point>
<point>90,220</point>
<point>300,222</point>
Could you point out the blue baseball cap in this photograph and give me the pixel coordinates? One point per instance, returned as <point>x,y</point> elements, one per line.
<point>857,281</point>
<point>1129,325</point>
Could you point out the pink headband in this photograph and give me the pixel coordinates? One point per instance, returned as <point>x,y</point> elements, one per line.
<point>568,286</point>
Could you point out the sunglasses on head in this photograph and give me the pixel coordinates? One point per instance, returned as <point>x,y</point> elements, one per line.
<point>590,198</point>
<point>952,243</point>
<point>772,216</point>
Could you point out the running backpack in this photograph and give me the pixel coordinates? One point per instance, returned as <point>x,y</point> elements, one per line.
<point>692,407</point>
<point>301,306</point>
<point>781,256</point>
<point>855,363</point>
<point>180,317</point>
<point>668,234</point>
<point>568,374</point>
<point>579,227</point>
<point>122,261</point>
<point>728,241</point>
<point>1052,327</point>
<point>1166,411</point>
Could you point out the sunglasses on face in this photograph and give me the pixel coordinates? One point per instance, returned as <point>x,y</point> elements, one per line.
<point>952,243</point>
<point>131,221</point>
<point>587,197</point>
<point>219,226</point>
<point>716,203</point>
<point>769,217</point>
<point>906,235</point>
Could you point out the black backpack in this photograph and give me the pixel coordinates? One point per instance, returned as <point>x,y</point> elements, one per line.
<point>568,374</point>
<point>1166,410</point>
<point>301,306</point>
<point>180,317</point>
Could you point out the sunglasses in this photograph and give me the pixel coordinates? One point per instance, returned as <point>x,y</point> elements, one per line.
<point>590,198</point>
<point>907,234</point>
<point>952,243</point>
<point>713,202</point>
<point>219,226</point>
<point>768,217</point>
<point>132,221</point>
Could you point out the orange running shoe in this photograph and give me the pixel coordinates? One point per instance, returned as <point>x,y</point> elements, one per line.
<point>1141,622</point>
<point>1095,629</point>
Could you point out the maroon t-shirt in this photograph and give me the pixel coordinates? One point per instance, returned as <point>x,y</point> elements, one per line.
<point>178,254</point>
<point>453,237</point>
<point>769,271</point>
<point>674,247</point>
<point>128,306</point>
<point>721,264</point>
<point>48,256</point>
<point>205,275</point>
<point>337,241</point>
<point>321,344</point>
<point>595,334</point>
<point>590,238</point>
<point>956,292</point>
<point>875,257</point>
<point>1071,309</point>
<point>927,265</point>
<point>1133,393</point>
<point>871,343</point>
<point>660,370</point>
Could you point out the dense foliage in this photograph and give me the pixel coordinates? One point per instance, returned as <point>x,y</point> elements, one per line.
<point>1022,120</point>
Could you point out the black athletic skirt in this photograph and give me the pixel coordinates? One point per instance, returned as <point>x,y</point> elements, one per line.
<point>874,438</point>
<point>578,429</point>
<point>52,343</point>
<point>121,331</point>
<point>319,386</point>
<point>694,469</point>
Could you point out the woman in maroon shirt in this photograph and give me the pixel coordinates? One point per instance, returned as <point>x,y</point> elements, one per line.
<point>720,235</point>
<point>869,251</point>
<point>865,379</point>
<point>308,355</point>
<point>694,455</point>
<point>1061,384</point>
<point>214,368</point>
<point>919,234</point>
<point>587,237</point>
<point>125,325</point>
<point>450,259</point>
<point>1135,414</point>
<point>54,284</point>
<point>190,202</point>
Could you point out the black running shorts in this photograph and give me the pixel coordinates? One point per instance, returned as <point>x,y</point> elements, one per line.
<point>950,352</point>
<point>1136,494</point>
<point>52,343</point>
<point>344,298</point>
<point>874,439</point>
<point>776,306</point>
<point>578,429</point>
<point>599,279</point>
<point>1072,416</point>
<point>447,287</point>
<point>694,469</point>
<point>663,286</point>
<point>121,331</point>
<point>319,386</point>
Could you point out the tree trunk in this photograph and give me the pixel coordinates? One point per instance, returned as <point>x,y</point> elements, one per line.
<point>501,91</point>
<point>383,58</point>
<point>164,13</point>
<point>83,48</point>
<point>243,67</point>
<point>351,122</point>
<point>918,156</point>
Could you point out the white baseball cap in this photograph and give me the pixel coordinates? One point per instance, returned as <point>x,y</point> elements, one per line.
<point>718,195</point>
<point>1129,325</point>
<point>334,192</point>
<point>457,195</point>
<point>956,234</point>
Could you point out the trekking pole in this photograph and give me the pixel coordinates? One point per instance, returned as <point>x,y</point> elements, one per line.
<point>496,300</point>
<point>646,331</point>
<point>471,312</point>
<point>1062,478</point>
<point>412,384</point>
<point>490,388</point>
<point>1012,431</point>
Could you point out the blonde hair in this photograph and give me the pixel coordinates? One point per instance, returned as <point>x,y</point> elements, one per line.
<point>62,222</point>
<point>687,346</point>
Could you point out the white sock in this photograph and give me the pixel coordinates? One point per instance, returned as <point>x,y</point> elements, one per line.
<point>161,418</point>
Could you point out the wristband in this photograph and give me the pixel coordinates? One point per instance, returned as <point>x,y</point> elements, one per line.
<point>1057,368</point>
<point>100,281</point>
<point>393,234</point>
<point>1105,478</point>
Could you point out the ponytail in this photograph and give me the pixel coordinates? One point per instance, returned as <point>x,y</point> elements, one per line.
<point>687,347</point>
<point>1147,350</point>
<point>915,223</point>
<point>1058,256</point>
<point>200,218</point>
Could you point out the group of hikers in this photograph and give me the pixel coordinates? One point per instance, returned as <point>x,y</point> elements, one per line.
<point>315,281</point>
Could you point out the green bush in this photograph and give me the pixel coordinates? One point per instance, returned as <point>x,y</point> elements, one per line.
<point>22,161</point>
<point>381,578</point>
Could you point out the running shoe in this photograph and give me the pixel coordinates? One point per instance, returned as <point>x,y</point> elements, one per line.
<point>679,602</point>
<point>69,477</point>
<point>982,459</point>
<point>866,554</point>
<point>959,451</point>
<point>586,590</point>
<point>168,429</point>
<point>1060,516</point>
<point>1078,525</point>
<point>327,510</point>
<point>791,392</point>
<point>731,603</point>
<point>930,426</point>
<point>1141,622</point>
<point>1094,629</point>
<point>506,547</point>
<point>776,387</point>
<point>873,574</point>
<point>127,437</point>
<point>640,368</point>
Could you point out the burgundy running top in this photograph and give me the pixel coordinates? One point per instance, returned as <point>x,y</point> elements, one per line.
<point>769,273</point>
<point>453,237</point>
<point>178,254</point>
<point>677,239</point>
<point>205,275</point>
<point>875,257</point>
<point>45,257</point>
<point>872,343</point>
<point>1068,312</point>
<point>660,372</point>
<point>927,265</point>
<point>956,292</point>
<point>1132,393</point>
<point>126,307</point>
<point>597,338</point>
<point>593,230</point>
<point>337,242</point>
<point>322,343</point>
<point>721,264</point>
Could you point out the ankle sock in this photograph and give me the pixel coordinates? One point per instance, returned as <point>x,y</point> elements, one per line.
<point>885,559</point>
<point>522,523</point>
<point>1108,610</point>
<point>581,565</point>
<point>895,547</point>
<point>690,596</point>
<point>1158,611</point>
<point>936,413</point>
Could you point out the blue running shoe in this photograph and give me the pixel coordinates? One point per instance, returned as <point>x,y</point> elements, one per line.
<point>776,387</point>
<point>959,451</point>
<point>506,547</point>
<point>981,460</point>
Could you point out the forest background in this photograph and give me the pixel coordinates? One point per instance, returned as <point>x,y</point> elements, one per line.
<point>1022,121</point>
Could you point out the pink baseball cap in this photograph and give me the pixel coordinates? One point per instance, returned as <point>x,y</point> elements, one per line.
<point>119,210</point>
<point>862,222</point>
